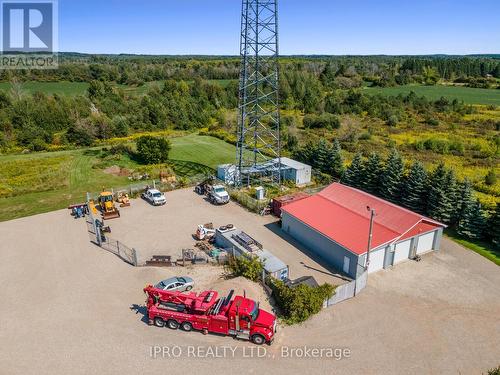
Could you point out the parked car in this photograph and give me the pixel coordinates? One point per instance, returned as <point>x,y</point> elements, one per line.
<point>178,284</point>
<point>155,197</point>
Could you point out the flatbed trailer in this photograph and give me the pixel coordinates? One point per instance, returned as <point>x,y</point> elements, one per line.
<point>239,317</point>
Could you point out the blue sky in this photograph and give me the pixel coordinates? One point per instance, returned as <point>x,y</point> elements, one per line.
<point>211,27</point>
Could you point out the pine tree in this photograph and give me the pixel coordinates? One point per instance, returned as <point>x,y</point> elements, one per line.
<point>473,223</point>
<point>322,156</point>
<point>336,164</point>
<point>451,191</point>
<point>391,179</point>
<point>354,172</point>
<point>494,227</point>
<point>439,206</point>
<point>373,170</point>
<point>415,188</point>
<point>463,199</point>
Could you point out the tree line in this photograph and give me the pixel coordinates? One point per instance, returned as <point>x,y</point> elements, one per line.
<point>383,70</point>
<point>438,193</point>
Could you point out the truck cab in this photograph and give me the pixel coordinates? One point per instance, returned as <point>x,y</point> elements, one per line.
<point>248,321</point>
<point>218,195</point>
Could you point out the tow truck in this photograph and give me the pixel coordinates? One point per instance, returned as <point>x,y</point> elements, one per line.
<point>238,317</point>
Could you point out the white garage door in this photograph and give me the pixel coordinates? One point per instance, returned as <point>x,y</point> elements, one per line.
<point>425,242</point>
<point>376,260</point>
<point>402,251</point>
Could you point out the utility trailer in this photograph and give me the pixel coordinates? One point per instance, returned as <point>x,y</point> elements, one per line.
<point>236,316</point>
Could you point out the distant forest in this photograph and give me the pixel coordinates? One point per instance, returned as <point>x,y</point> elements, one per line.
<point>197,92</point>
<point>381,70</point>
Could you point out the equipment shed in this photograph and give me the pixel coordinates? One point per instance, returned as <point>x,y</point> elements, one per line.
<point>334,224</point>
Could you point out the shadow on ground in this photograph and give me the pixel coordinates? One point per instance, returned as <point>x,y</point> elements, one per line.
<point>141,309</point>
<point>276,229</point>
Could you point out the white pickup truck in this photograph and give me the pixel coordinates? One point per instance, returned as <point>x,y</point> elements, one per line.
<point>155,197</point>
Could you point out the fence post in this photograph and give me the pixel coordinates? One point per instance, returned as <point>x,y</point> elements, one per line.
<point>134,257</point>
<point>98,234</point>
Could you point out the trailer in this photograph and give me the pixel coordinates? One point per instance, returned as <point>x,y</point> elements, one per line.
<point>236,316</point>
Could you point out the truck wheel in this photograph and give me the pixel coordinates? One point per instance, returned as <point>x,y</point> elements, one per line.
<point>186,326</point>
<point>172,324</point>
<point>159,322</point>
<point>258,339</point>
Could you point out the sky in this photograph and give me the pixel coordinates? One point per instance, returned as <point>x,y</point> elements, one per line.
<point>321,27</point>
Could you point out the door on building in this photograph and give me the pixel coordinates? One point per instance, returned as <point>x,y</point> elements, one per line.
<point>347,265</point>
<point>425,242</point>
<point>402,251</point>
<point>376,260</point>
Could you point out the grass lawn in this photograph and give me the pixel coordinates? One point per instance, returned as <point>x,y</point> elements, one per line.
<point>482,248</point>
<point>43,182</point>
<point>467,94</point>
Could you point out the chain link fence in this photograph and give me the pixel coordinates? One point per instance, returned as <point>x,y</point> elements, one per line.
<point>95,228</point>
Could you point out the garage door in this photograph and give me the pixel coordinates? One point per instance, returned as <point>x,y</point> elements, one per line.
<point>376,260</point>
<point>425,242</point>
<point>402,251</point>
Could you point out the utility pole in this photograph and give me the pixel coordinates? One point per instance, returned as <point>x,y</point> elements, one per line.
<point>370,235</point>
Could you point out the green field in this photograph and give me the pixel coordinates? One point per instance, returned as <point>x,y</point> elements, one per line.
<point>43,182</point>
<point>80,88</point>
<point>465,94</point>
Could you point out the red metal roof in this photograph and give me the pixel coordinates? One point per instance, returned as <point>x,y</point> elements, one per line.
<point>340,213</point>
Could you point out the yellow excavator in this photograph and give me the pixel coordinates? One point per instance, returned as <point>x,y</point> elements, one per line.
<point>107,206</point>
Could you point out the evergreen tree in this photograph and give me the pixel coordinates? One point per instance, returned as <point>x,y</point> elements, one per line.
<point>494,227</point>
<point>451,192</point>
<point>463,200</point>
<point>336,163</point>
<point>322,155</point>
<point>373,170</point>
<point>353,174</point>
<point>473,223</point>
<point>439,206</point>
<point>415,188</point>
<point>391,179</point>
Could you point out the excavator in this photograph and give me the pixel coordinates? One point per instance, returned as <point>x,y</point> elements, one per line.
<point>107,206</point>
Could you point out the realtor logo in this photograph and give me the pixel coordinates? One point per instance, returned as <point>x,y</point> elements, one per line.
<point>28,27</point>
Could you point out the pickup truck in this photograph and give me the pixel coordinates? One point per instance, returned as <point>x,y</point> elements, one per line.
<point>154,196</point>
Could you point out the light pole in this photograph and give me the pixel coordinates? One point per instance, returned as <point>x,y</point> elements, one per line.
<point>370,235</point>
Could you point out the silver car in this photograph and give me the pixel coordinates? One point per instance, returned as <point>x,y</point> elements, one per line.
<point>176,284</point>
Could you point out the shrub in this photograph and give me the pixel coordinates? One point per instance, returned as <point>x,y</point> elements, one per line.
<point>300,303</point>
<point>153,150</point>
<point>326,121</point>
<point>491,178</point>
<point>494,371</point>
<point>246,266</point>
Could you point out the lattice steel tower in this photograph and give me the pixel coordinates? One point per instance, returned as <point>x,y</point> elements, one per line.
<point>258,136</point>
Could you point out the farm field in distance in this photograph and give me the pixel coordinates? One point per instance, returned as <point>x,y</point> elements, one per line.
<point>466,94</point>
<point>43,182</point>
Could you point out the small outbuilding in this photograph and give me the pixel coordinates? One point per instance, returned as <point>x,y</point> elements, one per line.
<point>239,243</point>
<point>297,172</point>
<point>334,224</point>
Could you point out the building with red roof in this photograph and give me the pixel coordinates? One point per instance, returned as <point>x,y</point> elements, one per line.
<point>334,224</point>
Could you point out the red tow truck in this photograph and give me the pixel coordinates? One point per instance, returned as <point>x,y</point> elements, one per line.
<point>239,317</point>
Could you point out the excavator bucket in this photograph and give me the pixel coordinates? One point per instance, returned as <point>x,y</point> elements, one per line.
<point>111,215</point>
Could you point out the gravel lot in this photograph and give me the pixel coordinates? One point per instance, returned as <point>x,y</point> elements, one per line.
<point>168,229</point>
<point>70,308</point>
